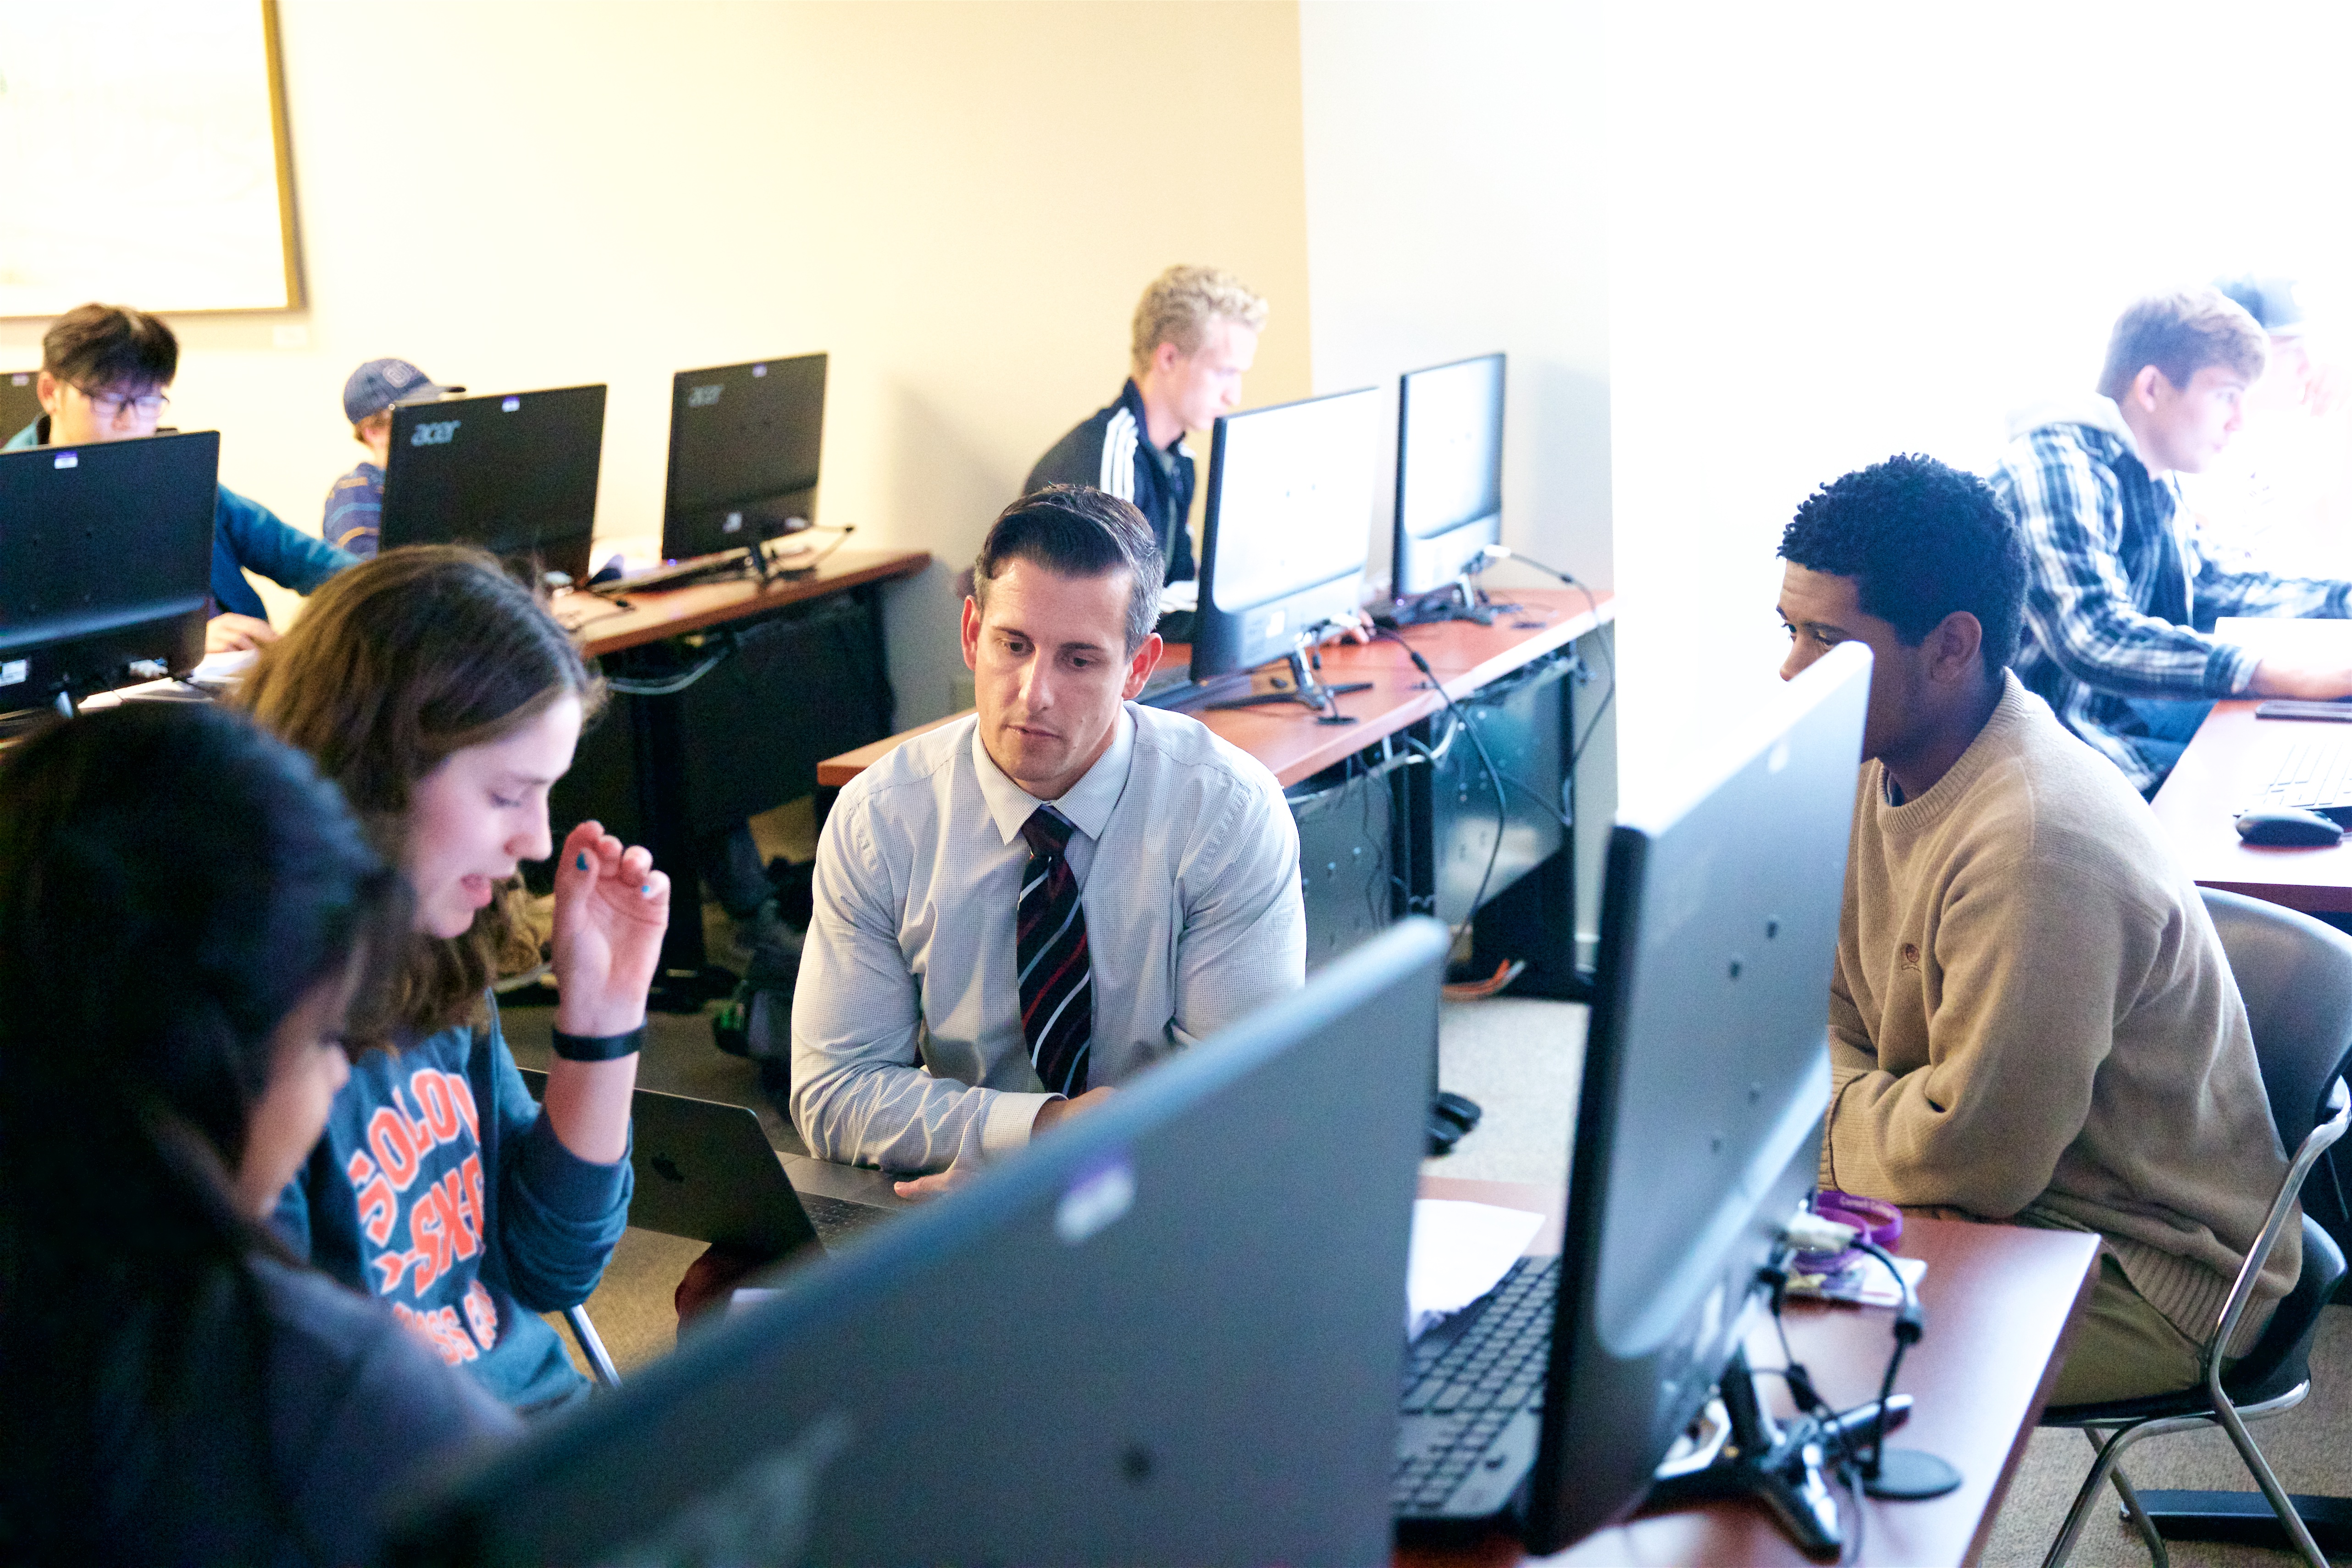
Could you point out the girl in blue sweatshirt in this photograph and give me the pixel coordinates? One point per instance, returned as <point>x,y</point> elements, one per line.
<point>445,699</point>
<point>186,912</point>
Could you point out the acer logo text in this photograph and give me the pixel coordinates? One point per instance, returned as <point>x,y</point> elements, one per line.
<point>438,433</point>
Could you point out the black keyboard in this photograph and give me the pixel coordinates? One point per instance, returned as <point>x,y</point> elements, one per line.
<point>1177,691</point>
<point>1472,1388</point>
<point>838,1219</point>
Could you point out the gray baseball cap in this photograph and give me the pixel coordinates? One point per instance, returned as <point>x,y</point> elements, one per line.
<point>381,383</point>
<point>2271,301</point>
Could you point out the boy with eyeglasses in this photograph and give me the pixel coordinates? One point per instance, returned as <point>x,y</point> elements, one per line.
<point>104,369</point>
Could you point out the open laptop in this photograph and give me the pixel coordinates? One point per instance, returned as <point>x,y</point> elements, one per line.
<point>707,1172</point>
<point>1168,1331</point>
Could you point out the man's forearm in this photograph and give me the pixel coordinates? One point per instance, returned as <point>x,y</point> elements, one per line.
<point>900,1118</point>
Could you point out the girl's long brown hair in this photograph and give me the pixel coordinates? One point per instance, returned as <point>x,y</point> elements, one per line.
<point>394,665</point>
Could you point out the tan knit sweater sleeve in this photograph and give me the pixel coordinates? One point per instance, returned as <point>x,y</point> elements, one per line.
<point>2011,1003</point>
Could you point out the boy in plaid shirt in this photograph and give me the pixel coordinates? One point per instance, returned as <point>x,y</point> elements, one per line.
<point>2119,605</point>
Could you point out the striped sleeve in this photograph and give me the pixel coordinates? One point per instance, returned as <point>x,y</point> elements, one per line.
<point>2079,602</point>
<point>1119,457</point>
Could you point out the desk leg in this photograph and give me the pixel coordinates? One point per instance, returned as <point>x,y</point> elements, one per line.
<point>687,978</point>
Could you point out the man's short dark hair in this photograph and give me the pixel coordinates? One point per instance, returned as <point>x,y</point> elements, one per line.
<point>1078,532</point>
<point>106,348</point>
<point>1920,540</point>
<point>2181,333</point>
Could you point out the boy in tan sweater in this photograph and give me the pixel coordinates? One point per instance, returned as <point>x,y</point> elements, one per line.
<point>2031,1017</point>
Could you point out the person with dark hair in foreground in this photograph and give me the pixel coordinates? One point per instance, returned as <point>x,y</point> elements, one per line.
<point>2031,1016</point>
<point>1019,911</point>
<point>187,912</point>
<point>444,699</point>
<point>104,369</point>
<point>2120,607</point>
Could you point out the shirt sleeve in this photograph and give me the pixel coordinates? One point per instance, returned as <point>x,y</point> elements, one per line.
<point>2220,592</point>
<point>559,1216</point>
<point>2078,599</point>
<point>263,541</point>
<point>2035,956</point>
<point>860,1095</point>
<point>1245,937</point>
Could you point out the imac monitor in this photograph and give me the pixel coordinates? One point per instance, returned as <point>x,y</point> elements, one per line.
<point>106,562</point>
<point>513,473</point>
<point>1166,1333</point>
<point>1449,477</point>
<point>743,444</point>
<point>20,400</point>
<point>1289,527</point>
<point>1698,1125</point>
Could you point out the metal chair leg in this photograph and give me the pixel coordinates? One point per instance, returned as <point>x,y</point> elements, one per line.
<point>2108,1454</point>
<point>2156,1550</point>
<point>592,1346</point>
<point>2290,1521</point>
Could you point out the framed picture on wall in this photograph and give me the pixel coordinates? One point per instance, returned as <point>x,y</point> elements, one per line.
<point>146,157</point>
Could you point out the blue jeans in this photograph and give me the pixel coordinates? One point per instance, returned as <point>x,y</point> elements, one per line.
<point>2170,724</point>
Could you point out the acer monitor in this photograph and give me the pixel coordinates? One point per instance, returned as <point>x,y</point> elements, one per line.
<point>1449,487</point>
<point>1288,533</point>
<point>106,563</point>
<point>514,473</point>
<point>1160,1334</point>
<point>20,400</point>
<point>743,445</point>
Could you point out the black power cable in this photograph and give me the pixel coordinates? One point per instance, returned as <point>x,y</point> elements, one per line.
<point>1493,773</point>
<point>1599,645</point>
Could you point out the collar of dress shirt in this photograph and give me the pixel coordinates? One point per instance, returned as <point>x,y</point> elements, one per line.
<point>1087,803</point>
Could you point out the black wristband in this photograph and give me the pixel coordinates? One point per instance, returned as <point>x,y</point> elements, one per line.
<point>599,1048</point>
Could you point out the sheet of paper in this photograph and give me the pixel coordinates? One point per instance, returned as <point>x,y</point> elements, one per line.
<point>1460,1251</point>
<point>1184,595</point>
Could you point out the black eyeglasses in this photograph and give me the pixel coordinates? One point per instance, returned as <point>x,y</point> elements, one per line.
<point>109,405</point>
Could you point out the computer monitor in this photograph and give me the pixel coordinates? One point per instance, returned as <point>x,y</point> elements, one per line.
<point>1167,1332</point>
<point>1705,1077</point>
<point>106,562</point>
<point>743,446</point>
<point>1289,532</point>
<point>514,473</point>
<point>1449,483</point>
<point>20,400</point>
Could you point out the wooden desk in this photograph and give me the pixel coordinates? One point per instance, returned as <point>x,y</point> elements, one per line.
<point>604,627</point>
<point>643,764</point>
<point>2000,1300</point>
<point>2235,755</point>
<point>1289,741</point>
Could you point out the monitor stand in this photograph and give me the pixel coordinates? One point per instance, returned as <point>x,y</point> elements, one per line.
<point>1779,1466</point>
<point>1460,600</point>
<point>1306,688</point>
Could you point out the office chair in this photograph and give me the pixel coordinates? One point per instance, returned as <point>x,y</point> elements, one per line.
<point>583,1333</point>
<point>2295,975</point>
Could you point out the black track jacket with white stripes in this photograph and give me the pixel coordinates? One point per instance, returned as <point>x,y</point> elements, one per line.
<point>1112,451</point>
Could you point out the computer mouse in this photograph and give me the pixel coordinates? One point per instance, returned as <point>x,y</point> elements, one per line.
<point>2288,825</point>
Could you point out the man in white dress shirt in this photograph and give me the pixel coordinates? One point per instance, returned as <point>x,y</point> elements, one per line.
<point>1020,910</point>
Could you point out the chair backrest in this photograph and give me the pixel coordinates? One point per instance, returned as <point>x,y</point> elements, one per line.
<point>2295,975</point>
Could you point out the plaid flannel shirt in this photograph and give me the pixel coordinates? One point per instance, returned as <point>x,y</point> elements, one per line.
<point>2115,590</point>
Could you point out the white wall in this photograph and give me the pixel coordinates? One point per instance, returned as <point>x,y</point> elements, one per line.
<point>1840,232</point>
<point>1455,193</point>
<point>960,203</point>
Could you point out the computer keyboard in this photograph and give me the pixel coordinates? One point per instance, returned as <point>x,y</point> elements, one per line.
<point>837,1219</point>
<point>2312,776</point>
<point>1465,1388</point>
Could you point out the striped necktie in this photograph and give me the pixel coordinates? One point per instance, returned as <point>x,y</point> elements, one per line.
<point>1057,1004</point>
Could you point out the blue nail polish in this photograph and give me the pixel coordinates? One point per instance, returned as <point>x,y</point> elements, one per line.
<point>647,890</point>
<point>584,862</point>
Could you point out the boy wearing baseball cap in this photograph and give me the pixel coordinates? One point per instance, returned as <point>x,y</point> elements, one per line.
<point>355,504</point>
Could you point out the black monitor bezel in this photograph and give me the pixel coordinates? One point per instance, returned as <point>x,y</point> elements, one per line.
<point>1420,565</point>
<point>1223,641</point>
<point>688,531</point>
<point>563,544</point>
